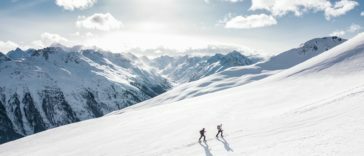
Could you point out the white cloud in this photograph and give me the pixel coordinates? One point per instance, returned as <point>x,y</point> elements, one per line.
<point>37,44</point>
<point>362,13</point>
<point>83,35</point>
<point>353,28</point>
<point>282,7</point>
<point>99,21</point>
<point>298,7</point>
<point>232,1</point>
<point>340,8</point>
<point>338,33</point>
<point>209,49</point>
<point>252,21</point>
<point>47,39</point>
<point>89,34</point>
<point>75,4</point>
<point>7,46</point>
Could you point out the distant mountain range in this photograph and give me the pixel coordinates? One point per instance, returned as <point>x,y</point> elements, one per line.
<point>46,88</point>
<point>182,69</point>
<point>54,86</point>
<point>305,101</point>
<point>240,75</point>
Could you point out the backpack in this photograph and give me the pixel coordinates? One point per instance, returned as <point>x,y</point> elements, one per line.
<point>202,131</point>
<point>219,127</point>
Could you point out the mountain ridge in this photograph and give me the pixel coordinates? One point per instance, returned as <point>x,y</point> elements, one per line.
<point>58,85</point>
<point>316,112</point>
<point>54,86</point>
<point>241,75</point>
<point>50,87</point>
<point>182,69</point>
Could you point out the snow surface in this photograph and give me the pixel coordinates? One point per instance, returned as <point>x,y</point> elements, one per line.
<point>241,75</point>
<point>314,108</point>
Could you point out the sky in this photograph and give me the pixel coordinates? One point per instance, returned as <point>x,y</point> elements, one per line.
<point>153,27</point>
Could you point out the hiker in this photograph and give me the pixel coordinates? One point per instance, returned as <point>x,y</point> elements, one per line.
<point>219,131</point>
<point>202,133</point>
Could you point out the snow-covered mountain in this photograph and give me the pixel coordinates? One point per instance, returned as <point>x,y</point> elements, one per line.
<point>182,69</point>
<point>3,58</point>
<point>65,76</point>
<point>314,108</point>
<point>298,55</point>
<point>240,75</point>
<point>47,88</point>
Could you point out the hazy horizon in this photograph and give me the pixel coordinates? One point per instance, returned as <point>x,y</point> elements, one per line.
<point>265,27</point>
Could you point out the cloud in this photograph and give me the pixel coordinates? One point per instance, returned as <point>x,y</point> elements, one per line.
<point>353,28</point>
<point>7,46</point>
<point>231,1</point>
<point>209,49</point>
<point>48,39</point>
<point>99,21</point>
<point>340,8</point>
<point>83,35</point>
<point>252,21</point>
<point>338,33</point>
<point>298,7</point>
<point>75,4</point>
<point>362,13</point>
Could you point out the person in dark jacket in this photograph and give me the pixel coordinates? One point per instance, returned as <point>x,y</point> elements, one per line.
<point>219,131</point>
<point>202,135</point>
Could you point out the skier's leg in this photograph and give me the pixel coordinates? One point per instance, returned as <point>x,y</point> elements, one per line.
<point>222,134</point>
<point>204,138</point>
<point>200,138</point>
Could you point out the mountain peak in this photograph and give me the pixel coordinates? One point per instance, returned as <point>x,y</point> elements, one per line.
<point>16,54</point>
<point>298,55</point>
<point>321,44</point>
<point>3,58</point>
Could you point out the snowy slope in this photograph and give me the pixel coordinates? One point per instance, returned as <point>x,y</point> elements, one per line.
<point>298,55</point>
<point>240,75</point>
<point>182,69</point>
<point>314,108</point>
<point>46,88</point>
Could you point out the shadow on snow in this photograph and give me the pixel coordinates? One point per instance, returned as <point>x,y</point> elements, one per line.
<point>206,148</point>
<point>226,144</point>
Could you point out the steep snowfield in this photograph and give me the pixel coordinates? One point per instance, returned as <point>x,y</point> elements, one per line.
<point>240,75</point>
<point>314,108</point>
